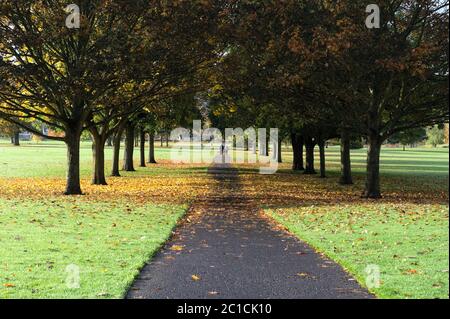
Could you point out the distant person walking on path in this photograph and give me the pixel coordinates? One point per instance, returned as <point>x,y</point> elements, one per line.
<point>224,152</point>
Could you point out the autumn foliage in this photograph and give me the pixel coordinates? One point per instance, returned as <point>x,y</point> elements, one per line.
<point>311,68</point>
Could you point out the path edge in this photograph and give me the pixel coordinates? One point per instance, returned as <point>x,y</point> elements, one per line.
<point>183,219</point>
<point>351,273</point>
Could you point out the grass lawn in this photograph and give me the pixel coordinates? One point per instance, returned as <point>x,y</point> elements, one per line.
<point>409,243</point>
<point>111,231</point>
<point>394,161</point>
<point>108,242</point>
<point>108,234</point>
<point>406,234</point>
<point>48,159</point>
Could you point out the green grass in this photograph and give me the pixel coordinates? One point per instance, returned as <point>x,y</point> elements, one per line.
<point>394,161</point>
<point>48,159</point>
<point>409,243</point>
<point>109,242</point>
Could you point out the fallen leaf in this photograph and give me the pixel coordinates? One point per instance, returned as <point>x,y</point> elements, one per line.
<point>195,277</point>
<point>176,248</point>
<point>410,272</point>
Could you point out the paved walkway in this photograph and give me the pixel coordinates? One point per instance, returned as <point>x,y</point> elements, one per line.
<point>224,249</point>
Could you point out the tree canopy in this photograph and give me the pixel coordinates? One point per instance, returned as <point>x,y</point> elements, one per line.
<point>311,68</point>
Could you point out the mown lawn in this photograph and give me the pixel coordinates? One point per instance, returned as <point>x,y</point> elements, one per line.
<point>406,234</point>
<point>48,159</point>
<point>111,231</point>
<point>108,243</point>
<point>409,243</point>
<point>394,161</point>
<point>107,235</point>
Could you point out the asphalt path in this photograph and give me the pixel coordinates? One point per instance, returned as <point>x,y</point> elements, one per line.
<point>224,248</point>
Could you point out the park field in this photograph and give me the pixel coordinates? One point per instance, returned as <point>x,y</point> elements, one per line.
<point>405,235</point>
<point>109,233</point>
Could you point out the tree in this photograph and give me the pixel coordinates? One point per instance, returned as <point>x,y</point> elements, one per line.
<point>11,130</point>
<point>171,63</point>
<point>409,137</point>
<point>61,76</point>
<point>398,73</point>
<point>142,136</point>
<point>56,75</point>
<point>128,161</point>
<point>151,147</point>
<point>297,149</point>
<point>346,174</point>
<point>263,71</point>
<point>446,131</point>
<point>117,139</point>
<point>435,135</point>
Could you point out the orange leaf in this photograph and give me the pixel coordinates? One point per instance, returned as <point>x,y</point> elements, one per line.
<point>411,272</point>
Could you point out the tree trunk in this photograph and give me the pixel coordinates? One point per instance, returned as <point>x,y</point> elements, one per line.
<point>279,150</point>
<point>322,159</point>
<point>264,151</point>
<point>151,152</point>
<point>17,138</point>
<point>98,153</point>
<point>162,140</point>
<point>109,141</point>
<point>72,141</point>
<point>372,189</point>
<point>167,140</point>
<point>142,146</point>
<point>301,145</point>
<point>116,157</point>
<point>297,148</point>
<point>346,167</point>
<point>310,144</point>
<point>128,164</point>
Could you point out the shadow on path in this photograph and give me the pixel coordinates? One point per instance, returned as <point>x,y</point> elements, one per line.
<point>235,253</point>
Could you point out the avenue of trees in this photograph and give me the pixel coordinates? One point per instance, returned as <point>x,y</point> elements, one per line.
<point>313,69</point>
